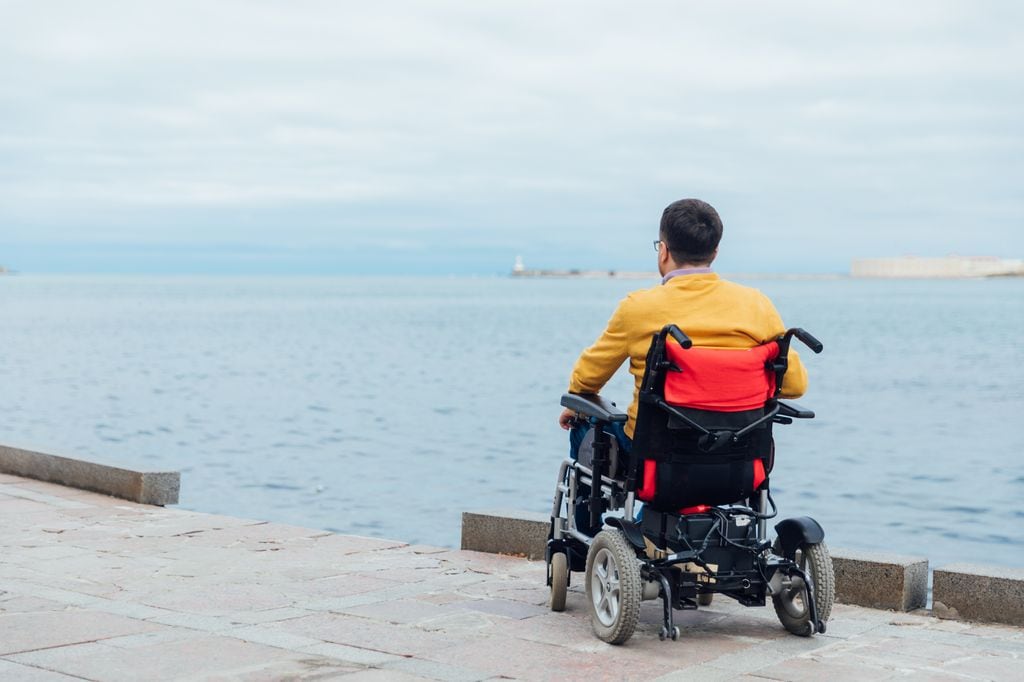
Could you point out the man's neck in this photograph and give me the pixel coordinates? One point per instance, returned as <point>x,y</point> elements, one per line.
<point>687,269</point>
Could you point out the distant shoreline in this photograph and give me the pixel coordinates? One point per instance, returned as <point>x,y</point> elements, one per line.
<point>546,275</point>
<point>903,267</point>
<point>615,274</point>
<point>597,274</point>
<point>583,274</point>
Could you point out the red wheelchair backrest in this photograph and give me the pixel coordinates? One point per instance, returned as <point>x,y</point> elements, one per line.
<point>720,379</point>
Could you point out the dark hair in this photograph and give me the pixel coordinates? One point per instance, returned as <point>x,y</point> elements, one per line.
<point>691,230</point>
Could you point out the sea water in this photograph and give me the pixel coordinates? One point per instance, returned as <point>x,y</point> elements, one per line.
<point>387,406</point>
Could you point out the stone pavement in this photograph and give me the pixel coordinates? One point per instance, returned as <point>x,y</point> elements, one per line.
<point>97,588</point>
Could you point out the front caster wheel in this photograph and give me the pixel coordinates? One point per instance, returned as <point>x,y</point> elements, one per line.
<point>665,634</point>
<point>791,604</point>
<point>559,580</point>
<point>614,587</point>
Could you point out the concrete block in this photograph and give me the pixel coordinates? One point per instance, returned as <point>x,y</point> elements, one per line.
<point>157,488</point>
<point>880,580</point>
<point>984,593</point>
<point>506,531</point>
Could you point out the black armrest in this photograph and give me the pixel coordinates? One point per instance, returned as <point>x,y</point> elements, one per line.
<point>593,405</point>
<point>794,410</point>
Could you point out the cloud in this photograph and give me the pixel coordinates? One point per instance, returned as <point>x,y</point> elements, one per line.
<point>562,127</point>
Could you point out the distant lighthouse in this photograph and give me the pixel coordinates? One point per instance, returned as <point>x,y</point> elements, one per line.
<point>518,268</point>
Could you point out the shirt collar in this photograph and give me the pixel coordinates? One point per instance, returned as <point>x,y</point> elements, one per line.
<point>685,271</point>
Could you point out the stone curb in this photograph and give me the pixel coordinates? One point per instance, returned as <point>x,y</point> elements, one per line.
<point>880,580</point>
<point>875,580</point>
<point>506,531</point>
<point>156,488</point>
<point>984,593</point>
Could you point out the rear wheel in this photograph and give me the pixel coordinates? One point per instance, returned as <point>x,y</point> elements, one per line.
<point>704,598</point>
<point>559,580</point>
<point>791,604</point>
<point>613,586</point>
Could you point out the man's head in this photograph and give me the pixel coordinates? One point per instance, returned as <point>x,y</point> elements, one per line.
<point>690,232</point>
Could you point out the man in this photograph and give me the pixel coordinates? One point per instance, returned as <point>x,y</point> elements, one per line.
<point>712,311</point>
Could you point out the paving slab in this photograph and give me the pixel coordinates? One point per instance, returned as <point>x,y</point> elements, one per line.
<point>119,591</point>
<point>48,629</point>
<point>197,658</point>
<point>10,670</point>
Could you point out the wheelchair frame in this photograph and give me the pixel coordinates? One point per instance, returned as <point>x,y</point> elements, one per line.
<point>721,549</point>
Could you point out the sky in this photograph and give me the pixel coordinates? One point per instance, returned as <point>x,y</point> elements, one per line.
<point>449,137</point>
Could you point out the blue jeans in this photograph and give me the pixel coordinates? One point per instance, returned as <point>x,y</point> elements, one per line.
<point>576,434</point>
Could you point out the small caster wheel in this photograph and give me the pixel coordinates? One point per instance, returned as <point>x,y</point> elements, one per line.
<point>559,580</point>
<point>672,634</point>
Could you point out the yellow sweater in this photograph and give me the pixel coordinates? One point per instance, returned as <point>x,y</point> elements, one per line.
<point>712,311</point>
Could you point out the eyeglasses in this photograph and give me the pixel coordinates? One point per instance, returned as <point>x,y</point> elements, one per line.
<point>657,243</point>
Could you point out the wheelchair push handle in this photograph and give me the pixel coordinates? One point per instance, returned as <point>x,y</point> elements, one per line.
<point>681,338</point>
<point>807,338</point>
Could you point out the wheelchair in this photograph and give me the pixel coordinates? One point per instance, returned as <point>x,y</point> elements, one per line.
<point>700,460</point>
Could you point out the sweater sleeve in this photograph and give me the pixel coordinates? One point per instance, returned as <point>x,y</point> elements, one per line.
<point>597,364</point>
<point>794,384</point>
